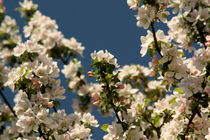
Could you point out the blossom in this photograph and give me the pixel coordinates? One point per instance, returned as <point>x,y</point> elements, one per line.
<point>178,31</point>
<point>191,85</point>
<point>201,58</point>
<point>87,118</point>
<point>73,45</point>
<point>172,129</point>
<point>10,37</point>
<point>43,29</point>
<point>148,40</point>
<point>114,131</point>
<point>28,46</point>
<point>79,132</point>
<point>104,56</point>
<point>28,5</point>
<point>28,122</point>
<point>133,4</point>
<point>132,71</point>
<point>145,16</point>
<point>71,69</point>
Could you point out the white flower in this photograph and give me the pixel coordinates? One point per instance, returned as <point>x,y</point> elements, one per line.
<point>79,132</point>
<point>87,118</point>
<point>127,91</point>
<point>201,14</point>
<point>172,129</point>
<point>22,103</point>
<point>73,84</point>
<point>178,31</point>
<point>115,131</point>
<point>207,137</point>
<point>43,29</point>
<point>84,90</point>
<point>27,122</point>
<point>15,74</point>
<point>28,5</point>
<point>145,16</point>
<point>147,40</point>
<point>73,45</point>
<point>105,56</point>
<point>155,85</point>
<point>127,71</point>
<point>28,46</point>
<point>133,4</point>
<point>71,69</point>
<point>9,28</point>
<point>191,85</point>
<point>201,58</point>
<point>139,100</point>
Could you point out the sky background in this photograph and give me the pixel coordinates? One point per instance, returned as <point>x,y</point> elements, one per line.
<point>97,24</point>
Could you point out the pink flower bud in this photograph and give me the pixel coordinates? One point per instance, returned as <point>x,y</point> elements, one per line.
<point>96,103</point>
<point>36,84</point>
<point>138,81</point>
<point>154,60</point>
<point>207,90</point>
<point>90,74</point>
<point>50,104</point>
<point>208,38</point>
<point>120,86</point>
<point>207,44</point>
<point>122,98</point>
<point>95,96</point>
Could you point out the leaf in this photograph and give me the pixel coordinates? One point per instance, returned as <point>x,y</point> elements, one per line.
<point>173,100</point>
<point>104,127</point>
<point>179,90</point>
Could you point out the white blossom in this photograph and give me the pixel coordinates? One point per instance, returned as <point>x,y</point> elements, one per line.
<point>105,56</point>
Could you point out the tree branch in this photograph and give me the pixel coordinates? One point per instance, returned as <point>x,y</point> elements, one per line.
<point>7,103</point>
<point>155,39</point>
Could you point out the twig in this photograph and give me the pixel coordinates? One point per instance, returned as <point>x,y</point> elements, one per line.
<point>157,129</point>
<point>111,102</point>
<point>155,38</point>
<point>7,103</point>
<point>54,108</point>
<point>202,37</point>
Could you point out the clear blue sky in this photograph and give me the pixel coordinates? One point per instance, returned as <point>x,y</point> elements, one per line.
<point>98,24</point>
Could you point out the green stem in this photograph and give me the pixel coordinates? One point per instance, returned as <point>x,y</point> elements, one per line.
<point>111,101</point>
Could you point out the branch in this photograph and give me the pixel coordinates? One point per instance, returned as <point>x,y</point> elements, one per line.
<point>7,103</point>
<point>54,108</point>
<point>202,37</point>
<point>41,133</point>
<point>157,129</point>
<point>189,123</point>
<point>111,102</point>
<point>155,39</point>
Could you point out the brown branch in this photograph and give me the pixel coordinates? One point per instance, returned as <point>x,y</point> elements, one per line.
<point>155,39</point>
<point>7,103</point>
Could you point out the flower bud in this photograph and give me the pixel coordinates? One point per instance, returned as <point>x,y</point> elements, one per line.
<point>120,86</point>
<point>96,103</point>
<point>90,74</point>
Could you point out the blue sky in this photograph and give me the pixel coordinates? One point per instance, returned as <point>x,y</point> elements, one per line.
<point>98,24</point>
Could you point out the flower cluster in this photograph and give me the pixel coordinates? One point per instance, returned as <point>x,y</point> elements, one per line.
<point>168,100</point>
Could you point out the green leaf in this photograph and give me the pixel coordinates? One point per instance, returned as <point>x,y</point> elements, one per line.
<point>104,127</point>
<point>173,100</point>
<point>179,90</point>
<point>157,120</point>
